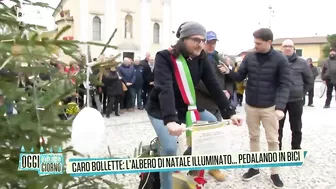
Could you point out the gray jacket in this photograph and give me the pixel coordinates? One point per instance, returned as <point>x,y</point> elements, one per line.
<point>329,71</point>
<point>301,78</point>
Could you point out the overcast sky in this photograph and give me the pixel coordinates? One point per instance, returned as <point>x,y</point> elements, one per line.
<point>234,21</point>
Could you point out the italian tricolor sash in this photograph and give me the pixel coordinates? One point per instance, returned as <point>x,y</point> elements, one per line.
<point>186,87</point>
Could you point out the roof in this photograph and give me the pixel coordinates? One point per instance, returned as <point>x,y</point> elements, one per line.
<point>247,51</point>
<point>59,6</point>
<point>303,40</point>
<point>127,45</point>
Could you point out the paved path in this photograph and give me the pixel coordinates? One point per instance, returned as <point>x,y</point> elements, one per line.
<point>124,133</point>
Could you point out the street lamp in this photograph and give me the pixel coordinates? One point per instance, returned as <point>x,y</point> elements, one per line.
<point>271,12</point>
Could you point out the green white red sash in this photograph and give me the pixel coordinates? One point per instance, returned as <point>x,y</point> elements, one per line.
<point>187,89</point>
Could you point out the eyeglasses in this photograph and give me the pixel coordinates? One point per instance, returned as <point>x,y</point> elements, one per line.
<point>287,46</point>
<point>197,40</point>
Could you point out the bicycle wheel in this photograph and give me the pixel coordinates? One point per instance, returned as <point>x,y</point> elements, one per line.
<point>322,90</point>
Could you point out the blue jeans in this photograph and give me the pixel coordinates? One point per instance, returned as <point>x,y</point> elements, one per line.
<point>169,144</point>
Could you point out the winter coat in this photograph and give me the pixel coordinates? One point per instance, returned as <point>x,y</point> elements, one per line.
<point>112,84</point>
<point>146,71</point>
<point>268,79</point>
<point>127,73</point>
<point>301,78</point>
<point>329,71</point>
<point>139,79</point>
<point>314,71</point>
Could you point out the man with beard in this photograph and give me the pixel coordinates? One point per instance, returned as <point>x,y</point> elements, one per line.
<point>267,92</point>
<point>328,75</point>
<point>202,94</point>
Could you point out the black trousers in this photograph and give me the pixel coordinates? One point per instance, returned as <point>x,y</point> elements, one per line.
<point>81,93</point>
<point>112,104</point>
<point>240,98</point>
<point>145,93</point>
<point>129,98</point>
<point>104,101</point>
<point>310,97</point>
<point>330,88</point>
<point>294,110</point>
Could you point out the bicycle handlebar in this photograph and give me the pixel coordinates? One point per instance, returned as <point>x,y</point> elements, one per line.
<point>206,123</point>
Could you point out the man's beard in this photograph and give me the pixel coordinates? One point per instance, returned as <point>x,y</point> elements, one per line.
<point>332,57</point>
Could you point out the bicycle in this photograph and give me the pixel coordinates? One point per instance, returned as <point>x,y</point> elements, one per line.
<point>322,89</point>
<point>180,179</point>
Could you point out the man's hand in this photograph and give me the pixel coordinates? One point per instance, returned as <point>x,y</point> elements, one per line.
<point>175,129</point>
<point>128,84</point>
<point>236,120</point>
<point>280,114</point>
<point>151,83</point>
<point>223,68</point>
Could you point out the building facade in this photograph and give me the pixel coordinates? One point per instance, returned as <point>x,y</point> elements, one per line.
<point>142,25</point>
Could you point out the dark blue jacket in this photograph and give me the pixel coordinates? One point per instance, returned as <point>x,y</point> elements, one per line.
<point>139,79</point>
<point>268,80</point>
<point>127,73</point>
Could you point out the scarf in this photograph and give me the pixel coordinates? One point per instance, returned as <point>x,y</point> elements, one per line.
<point>187,89</point>
<point>151,67</point>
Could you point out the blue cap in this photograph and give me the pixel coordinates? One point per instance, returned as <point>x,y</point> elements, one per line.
<point>211,36</point>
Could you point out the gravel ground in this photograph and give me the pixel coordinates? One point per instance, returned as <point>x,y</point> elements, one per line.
<point>124,133</point>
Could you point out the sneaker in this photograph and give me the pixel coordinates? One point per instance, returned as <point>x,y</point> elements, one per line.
<point>310,105</point>
<point>251,174</point>
<point>217,175</point>
<point>193,173</point>
<point>276,181</point>
<point>326,106</point>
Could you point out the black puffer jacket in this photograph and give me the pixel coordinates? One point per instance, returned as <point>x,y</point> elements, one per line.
<point>166,102</point>
<point>268,79</point>
<point>301,78</point>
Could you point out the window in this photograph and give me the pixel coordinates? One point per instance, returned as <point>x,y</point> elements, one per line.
<point>298,52</point>
<point>96,28</point>
<point>128,27</point>
<point>156,33</point>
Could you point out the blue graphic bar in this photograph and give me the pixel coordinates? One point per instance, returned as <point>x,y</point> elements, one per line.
<point>289,164</point>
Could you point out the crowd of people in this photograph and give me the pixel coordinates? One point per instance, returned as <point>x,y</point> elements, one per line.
<point>274,83</point>
<point>127,86</point>
<point>191,82</point>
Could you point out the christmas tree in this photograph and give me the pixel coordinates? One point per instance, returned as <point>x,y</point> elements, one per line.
<point>31,88</point>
